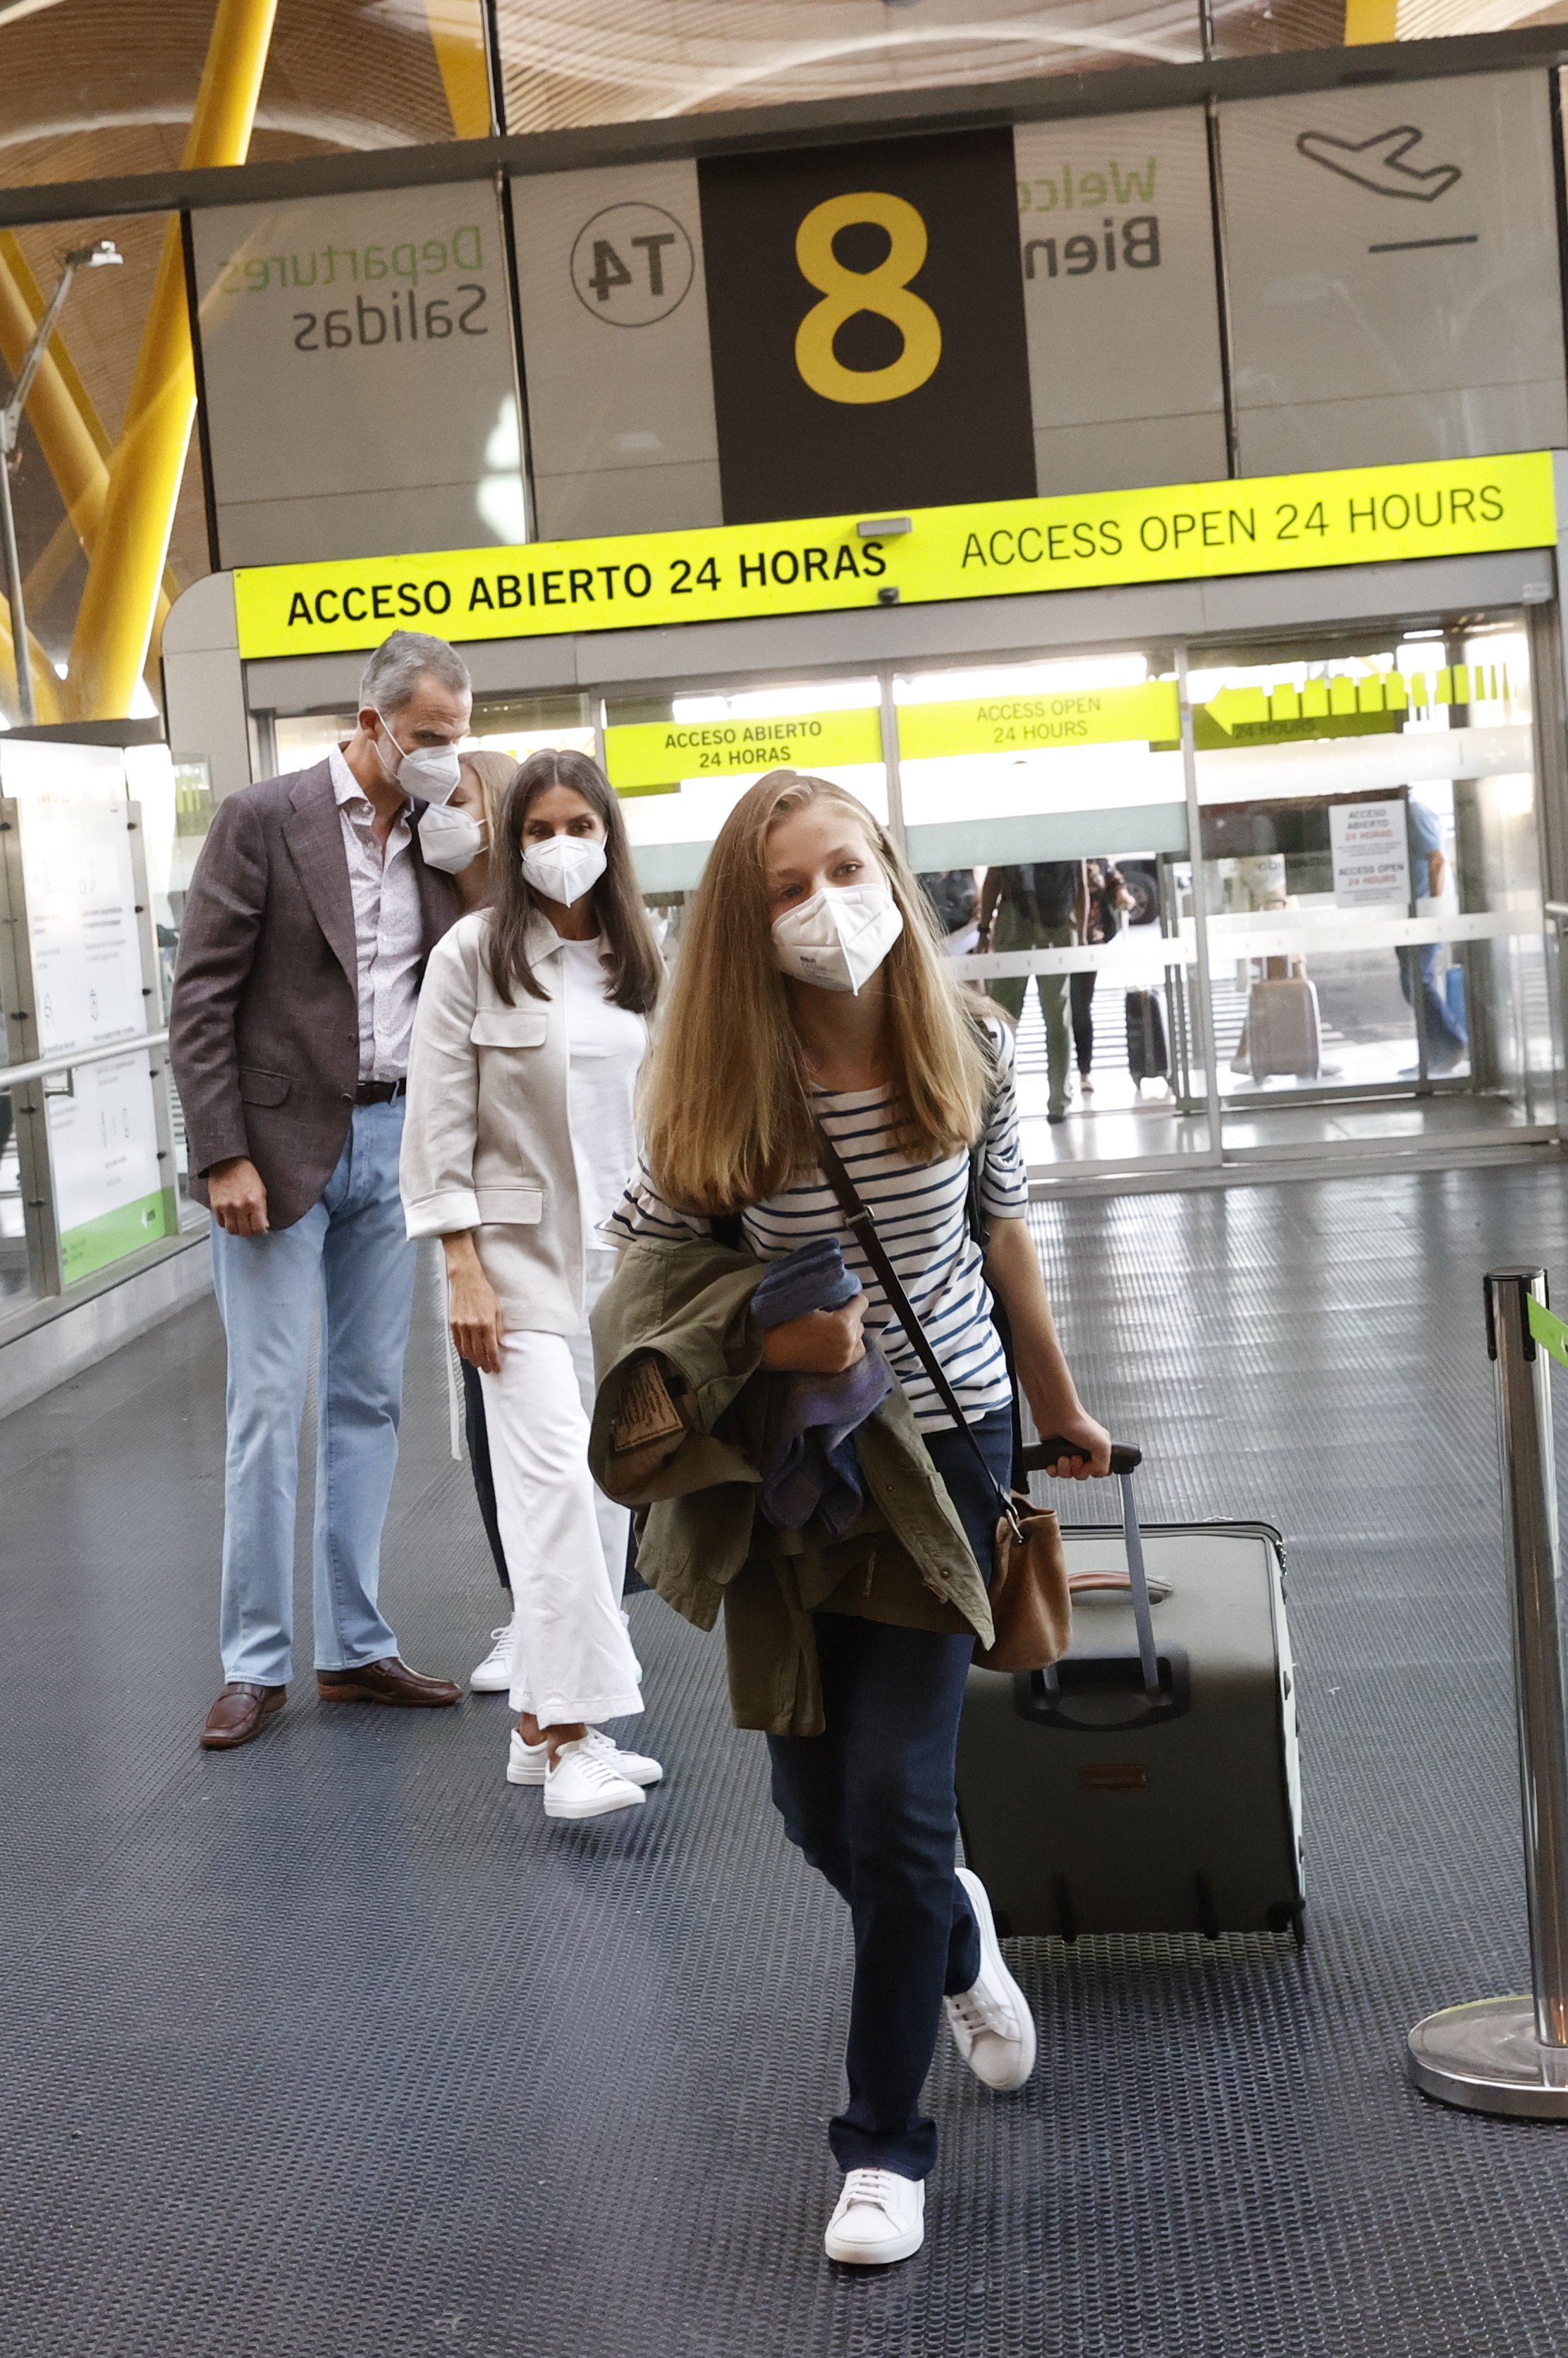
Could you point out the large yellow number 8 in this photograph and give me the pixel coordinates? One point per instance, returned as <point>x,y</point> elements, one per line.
<point>885,291</point>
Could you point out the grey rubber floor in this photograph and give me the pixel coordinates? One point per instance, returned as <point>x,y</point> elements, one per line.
<point>330,2046</point>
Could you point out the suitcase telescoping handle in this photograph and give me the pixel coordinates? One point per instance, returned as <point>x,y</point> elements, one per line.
<point>1039,1455</point>
<point>1124,1457</point>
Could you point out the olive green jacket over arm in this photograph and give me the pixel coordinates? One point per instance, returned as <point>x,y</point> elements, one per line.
<point>704,1543</point>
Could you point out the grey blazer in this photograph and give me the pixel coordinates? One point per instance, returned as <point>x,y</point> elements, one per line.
<point>263,1024</point>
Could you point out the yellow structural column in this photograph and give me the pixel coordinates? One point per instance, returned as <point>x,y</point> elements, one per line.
<point>115,621</point>
<point>46,687</point>
<point>1370,21</point>
<point>71,433</point>
<point>457,35</point>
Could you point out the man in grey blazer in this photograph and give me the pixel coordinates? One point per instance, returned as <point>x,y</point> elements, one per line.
<point>310,916</point>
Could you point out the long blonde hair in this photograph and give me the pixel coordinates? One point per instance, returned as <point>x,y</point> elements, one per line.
<point>727,1107</point>
<point>495,773</point>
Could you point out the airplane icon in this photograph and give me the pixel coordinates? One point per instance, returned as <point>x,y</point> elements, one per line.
<point>1376,163</point>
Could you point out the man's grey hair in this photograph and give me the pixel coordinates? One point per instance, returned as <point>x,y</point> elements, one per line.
<point>390,678</point>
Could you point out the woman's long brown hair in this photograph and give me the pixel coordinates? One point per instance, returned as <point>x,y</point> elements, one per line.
<point>636,969</point>
<point>727,1107</point>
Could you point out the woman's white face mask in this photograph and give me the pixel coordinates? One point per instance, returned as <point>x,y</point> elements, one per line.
<point>563,866</point>
<point>450,839</point>
<point>839,937</point>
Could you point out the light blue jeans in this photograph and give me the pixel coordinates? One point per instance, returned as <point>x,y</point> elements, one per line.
<point>350,1256</point>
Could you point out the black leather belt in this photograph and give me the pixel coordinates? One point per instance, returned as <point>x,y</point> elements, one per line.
<point>379,1092</point>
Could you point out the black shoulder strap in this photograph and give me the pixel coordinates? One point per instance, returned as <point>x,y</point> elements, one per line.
<point>979,1226</point>
<point>859,1220</point>
<point>725,1229</point>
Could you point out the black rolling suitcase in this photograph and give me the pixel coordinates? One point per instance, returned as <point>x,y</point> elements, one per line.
<point>1149,1782</point>
<point>1148,1056</point>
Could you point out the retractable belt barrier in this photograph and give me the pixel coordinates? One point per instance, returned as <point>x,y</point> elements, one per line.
<point>1510,2054</point>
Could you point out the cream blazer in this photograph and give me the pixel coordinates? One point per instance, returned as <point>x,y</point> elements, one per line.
<point>486,1143</point>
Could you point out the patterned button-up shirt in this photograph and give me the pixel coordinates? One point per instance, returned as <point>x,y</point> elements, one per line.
<point>388,927</point>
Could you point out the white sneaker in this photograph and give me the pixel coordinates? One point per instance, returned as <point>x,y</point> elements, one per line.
<point>881,2218</point>
<point>580,1783</point>
<point>991,2025</point>
<point>527,1763</point>
<point>493,1675</point>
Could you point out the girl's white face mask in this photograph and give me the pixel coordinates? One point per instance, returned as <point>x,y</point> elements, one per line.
<point>450,839</point>
<point>565,867</point>
<point>839,937</point>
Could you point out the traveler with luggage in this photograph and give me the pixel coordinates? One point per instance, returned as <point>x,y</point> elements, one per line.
<point>1447,1044</point>
<point>531,1032</point>
<point>1038,907</point>
<point>813,1017</point>
<point>1106,896</point>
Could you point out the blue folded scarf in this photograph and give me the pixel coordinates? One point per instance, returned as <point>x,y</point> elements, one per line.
<point>811,1469</point>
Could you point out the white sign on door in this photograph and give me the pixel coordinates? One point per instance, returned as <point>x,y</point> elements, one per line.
<point>108,1187</point>
<point>1371,854</point>
<point>82,919</point>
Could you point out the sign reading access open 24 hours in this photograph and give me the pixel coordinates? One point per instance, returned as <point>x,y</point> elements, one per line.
<point>1277,523</point>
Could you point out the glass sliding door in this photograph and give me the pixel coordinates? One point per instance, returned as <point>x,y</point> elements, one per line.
<point>1055,794</point>
<point>681,761</point>
<point>1371,875</point>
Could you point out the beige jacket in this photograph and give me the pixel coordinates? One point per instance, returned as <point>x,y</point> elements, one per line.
<point>486,1144</point>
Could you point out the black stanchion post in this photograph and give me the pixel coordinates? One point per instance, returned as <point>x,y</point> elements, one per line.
<point>1510,2054</point>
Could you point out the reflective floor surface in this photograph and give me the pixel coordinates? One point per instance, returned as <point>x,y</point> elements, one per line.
<point>332,2048</point>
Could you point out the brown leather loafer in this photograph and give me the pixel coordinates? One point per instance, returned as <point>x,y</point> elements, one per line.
<point>386,1682</point>
<point>240,1713</point>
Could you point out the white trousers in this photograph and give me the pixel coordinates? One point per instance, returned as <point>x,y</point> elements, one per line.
<point>565,1541</point>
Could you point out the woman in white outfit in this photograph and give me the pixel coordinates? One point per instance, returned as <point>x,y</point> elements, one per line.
<point>518,1141</point>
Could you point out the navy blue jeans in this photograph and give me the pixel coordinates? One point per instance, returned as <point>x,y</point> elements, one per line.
<point>870,1801</point>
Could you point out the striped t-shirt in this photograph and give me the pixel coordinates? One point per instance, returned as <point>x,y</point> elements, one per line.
<point>921,1210</point>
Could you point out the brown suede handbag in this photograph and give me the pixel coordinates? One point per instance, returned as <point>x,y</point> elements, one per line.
<point>1032,1604</point>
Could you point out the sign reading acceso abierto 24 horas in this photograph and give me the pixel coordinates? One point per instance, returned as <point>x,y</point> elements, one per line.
<point>1271,525</point>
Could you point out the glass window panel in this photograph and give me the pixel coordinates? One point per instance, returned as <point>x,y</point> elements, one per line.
<point>672,823</point>
<point>1371,873</point>
<point>1071,828</point>
<point>575,61</point>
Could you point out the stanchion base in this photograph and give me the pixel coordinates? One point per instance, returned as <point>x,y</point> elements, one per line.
<point>1488,2058</point>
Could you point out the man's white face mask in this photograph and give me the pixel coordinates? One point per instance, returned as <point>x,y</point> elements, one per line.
<point>450,839</point>
<point>839,937</point>
<point>563,866</point>
<point>431,771</point>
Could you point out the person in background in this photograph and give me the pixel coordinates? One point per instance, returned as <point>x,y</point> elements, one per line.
<point>1041,907</point>
<point>531,1030</point>
<point>310,916</point>
<point>813,991</point>
<point>1106,896</point>
<point>1446,1045</point>
<point>955,901</point>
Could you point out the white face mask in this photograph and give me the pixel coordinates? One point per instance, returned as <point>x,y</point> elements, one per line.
<point>450,839</point>
<point>839,937</point>
<point>431,771</point>
<point>565,867</point>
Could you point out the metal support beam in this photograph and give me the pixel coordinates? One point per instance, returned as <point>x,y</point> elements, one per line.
<point>71,436</point>
<point>114,624</point>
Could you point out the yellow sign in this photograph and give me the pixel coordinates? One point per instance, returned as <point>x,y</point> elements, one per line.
<point>1271,523</point>
<point>661,753</point>
<point>1042,721</point>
